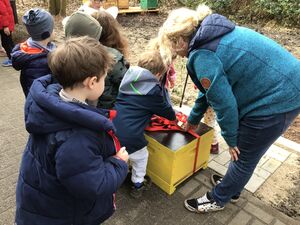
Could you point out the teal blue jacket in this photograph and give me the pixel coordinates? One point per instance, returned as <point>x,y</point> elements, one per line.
<point>239,73</point>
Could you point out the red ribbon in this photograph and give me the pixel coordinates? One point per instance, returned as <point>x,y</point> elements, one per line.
<point>158,123</point>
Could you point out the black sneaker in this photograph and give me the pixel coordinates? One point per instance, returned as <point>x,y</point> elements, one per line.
<point>216,179</point>
<point>138,189</point>
<point>203,204</point>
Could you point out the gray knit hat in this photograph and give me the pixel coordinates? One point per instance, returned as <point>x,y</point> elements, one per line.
<point>39,24</point>
<point>81,24</point>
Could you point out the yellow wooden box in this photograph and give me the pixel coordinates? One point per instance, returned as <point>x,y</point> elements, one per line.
<point>123,4</point>
<point>172,156</point>
<point>110,3</point>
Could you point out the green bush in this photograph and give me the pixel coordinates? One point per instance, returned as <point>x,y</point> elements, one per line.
<point>286,12</point>
<point>220,6</point>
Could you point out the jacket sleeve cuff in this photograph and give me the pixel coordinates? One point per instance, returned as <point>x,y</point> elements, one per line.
<point>194,119</point>
<point>117,161</point>
<point>231,141</point>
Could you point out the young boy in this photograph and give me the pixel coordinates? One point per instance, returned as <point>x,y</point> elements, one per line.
<point>70,169</point>
<point>31,56</point>
<point>140,96</point>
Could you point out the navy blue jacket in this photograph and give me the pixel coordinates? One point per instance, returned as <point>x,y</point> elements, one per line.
<point>32,62</point>
<point>68,173</point>
<point>140,97</point>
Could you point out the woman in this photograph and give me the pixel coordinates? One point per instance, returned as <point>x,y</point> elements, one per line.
<point>250,81</point>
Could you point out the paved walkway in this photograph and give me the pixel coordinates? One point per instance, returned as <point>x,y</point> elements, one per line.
<point>155,208</point>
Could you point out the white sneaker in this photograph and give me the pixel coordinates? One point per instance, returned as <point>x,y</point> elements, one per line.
<point>203,204</point>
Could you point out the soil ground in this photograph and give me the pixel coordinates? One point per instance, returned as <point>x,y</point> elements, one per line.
<point>282,190</point>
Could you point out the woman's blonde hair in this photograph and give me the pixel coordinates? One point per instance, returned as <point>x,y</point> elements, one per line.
<point>181,22</point>
<point>155,44</point>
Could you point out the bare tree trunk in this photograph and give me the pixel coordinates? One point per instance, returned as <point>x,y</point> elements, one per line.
<point>63,6</point>
<point>54,7</point>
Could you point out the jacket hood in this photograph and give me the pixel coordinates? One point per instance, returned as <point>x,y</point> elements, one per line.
<point>212,28</point>
<point>138,81</point>
<point>46,112</point>
<point>26,52</point>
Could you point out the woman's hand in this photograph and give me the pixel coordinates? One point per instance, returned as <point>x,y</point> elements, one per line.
<point>189,126</point>
<point>234,153</point>
<point>6,31</point>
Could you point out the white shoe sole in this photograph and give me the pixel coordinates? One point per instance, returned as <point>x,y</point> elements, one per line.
<point>191,209</point>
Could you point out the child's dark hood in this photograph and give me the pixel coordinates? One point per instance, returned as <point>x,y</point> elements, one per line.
<point>210,31</point>
<point>46,112</point>
<point>28,52</point>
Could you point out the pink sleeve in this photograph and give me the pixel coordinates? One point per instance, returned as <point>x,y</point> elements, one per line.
<point>171,73</point>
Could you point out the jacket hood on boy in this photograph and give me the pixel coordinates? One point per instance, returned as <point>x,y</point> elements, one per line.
<point>210,31</point>
<point>25,53</point>
<point>138,81</point>
<point>45,112</point>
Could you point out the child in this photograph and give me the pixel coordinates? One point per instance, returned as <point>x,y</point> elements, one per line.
<point>70,169</point>
<point>80,24</point>
<point>116,44</point>
<point>6,28</point>
<point>169,78</point>
<point>209,119</point>
<point>140,97</point>
<point>31,56</point>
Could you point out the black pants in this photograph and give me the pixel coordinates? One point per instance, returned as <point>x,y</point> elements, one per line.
<point>14,8</point>
<point>7,43</point>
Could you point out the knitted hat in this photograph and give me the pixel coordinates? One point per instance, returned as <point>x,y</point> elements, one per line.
<point>39,24</point>
<point>81,24</point>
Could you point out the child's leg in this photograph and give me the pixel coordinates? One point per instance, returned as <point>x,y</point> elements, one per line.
<point>138,162</point>
<point>7,43</point>
<point>209,119</point>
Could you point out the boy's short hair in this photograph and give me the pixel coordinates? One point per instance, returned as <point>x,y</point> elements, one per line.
<point>152,61</point>
<point>78,58</point>
<point>39,24</point>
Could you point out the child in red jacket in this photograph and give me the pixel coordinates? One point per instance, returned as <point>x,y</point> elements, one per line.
<point>6,28</point>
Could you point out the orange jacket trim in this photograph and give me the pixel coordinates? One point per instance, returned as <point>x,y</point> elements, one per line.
<point>29,50</point>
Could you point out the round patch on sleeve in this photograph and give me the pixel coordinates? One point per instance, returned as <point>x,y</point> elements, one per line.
<point>205,82</point>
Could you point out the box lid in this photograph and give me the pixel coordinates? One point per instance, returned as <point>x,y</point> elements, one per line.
<point>177,139</point>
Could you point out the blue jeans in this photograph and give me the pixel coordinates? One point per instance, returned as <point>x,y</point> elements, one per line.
<point>255,136</point>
